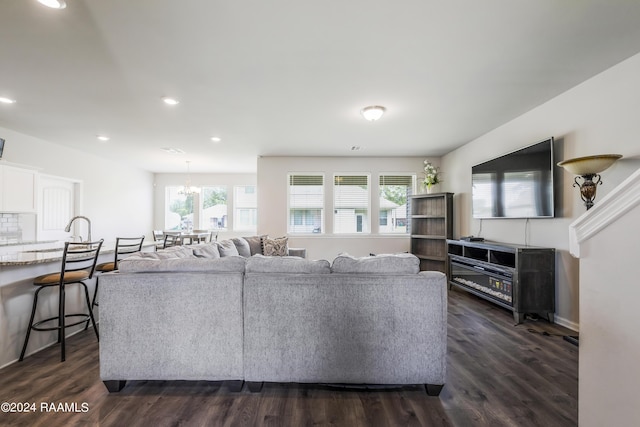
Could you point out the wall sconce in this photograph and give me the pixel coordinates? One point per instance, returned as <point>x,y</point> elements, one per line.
<point>588,168</point>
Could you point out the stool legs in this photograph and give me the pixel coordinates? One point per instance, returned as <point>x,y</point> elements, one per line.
<point>61,319</point>
<point>33,314</point>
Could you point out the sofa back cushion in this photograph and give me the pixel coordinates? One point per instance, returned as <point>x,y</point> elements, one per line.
<point>290,265</point>
<point>379,264</point>
<point>206,250</point>
<point>135,264</point>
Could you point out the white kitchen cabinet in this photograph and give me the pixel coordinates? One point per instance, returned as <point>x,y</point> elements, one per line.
<point>19,189</point>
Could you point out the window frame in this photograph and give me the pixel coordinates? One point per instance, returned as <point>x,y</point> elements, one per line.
<point>368,222</point>
<point>303,217</point>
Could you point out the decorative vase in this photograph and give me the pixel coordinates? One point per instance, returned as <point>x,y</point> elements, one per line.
<point>429,189</point>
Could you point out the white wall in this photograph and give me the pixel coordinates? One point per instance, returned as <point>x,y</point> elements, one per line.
<point>272,202</point>
<point>229,180</point>
<point>117,198</point>
<point>598,116</point>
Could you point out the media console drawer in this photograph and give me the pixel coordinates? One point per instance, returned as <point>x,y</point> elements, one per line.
<point>519,278</point>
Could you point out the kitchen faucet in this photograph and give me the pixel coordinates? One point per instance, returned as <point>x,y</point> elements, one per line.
<point>68,227</point>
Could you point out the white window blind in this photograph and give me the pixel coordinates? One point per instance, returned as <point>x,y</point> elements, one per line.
<point>351,204</point>
<point>395,199</point>
<point>306,203</point>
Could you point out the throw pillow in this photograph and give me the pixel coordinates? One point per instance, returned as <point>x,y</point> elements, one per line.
<point>275,247</point>
<point>255,243</point>
<point>227,248</point>
<point>244,250</point>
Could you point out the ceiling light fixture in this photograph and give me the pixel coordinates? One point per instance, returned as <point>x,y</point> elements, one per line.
<point>103,138</point>
<point>216,139</point>
<point>170,101</point>
<point>7,100</point>
<point>373,112</point>
<point>53,4</point>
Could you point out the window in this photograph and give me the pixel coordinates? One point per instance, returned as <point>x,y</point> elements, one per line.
<point>306,202</point>
<point>178,214</point>
<point>351,204</point>
<point>214,214</point>
<point>395,198</point>
<point>245,202</point>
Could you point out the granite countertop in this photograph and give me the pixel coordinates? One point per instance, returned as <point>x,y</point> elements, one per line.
<point>17,242</point>
<point>41,256</point>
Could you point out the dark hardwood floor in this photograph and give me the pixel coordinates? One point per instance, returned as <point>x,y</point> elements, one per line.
<point>498,375</point>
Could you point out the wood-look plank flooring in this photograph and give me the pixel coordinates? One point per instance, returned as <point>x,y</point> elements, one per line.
<point>498,375</point>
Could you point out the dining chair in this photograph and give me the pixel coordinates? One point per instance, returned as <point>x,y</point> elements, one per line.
<point>78,265</point>
<point>172,238</point>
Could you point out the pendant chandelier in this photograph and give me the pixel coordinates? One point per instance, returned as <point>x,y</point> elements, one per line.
<point>188,190</point>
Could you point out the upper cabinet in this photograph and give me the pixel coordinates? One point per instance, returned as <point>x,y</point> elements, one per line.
<point>19,187</point>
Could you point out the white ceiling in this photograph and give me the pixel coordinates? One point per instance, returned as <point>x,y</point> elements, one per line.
<point>288,77</point>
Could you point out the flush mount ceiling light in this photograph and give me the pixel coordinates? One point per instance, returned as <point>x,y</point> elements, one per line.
<point>7,100</point>
<point>373,112</point>
<point>53,4</point>
<point>103,138</point>
<point>216,139</point>
<point>170,101</point>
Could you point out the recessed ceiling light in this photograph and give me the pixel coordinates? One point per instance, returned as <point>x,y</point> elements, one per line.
<point>172,150</point>
<point>216,139</point>
<point>373,112</point>
<point>7,100</point>
<point>170,101</point>
<point>53,4</point>
<point>102,138</point>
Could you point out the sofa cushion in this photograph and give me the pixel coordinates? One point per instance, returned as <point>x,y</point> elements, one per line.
<point>275,247</point>
<point>294,265</point>
<point>168,253</point>
<point>242,246</point>
<point>230,264</point>
<point>227,248</point>
<point>206,250</point>
<point>381,264</point>
<point>255,243</point>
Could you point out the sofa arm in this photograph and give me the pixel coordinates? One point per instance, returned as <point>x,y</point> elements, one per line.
<point>301,252</point>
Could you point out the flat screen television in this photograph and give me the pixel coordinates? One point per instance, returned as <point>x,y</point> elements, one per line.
<point>516,185</point>
<point>1,147</point>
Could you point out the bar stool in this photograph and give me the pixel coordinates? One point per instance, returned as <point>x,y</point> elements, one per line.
<point>78,264</point>
<point>125,246</point>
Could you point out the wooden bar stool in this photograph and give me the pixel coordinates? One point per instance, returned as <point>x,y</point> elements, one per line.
<point>78,265</point>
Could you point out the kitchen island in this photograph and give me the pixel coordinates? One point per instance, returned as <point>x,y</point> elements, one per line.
<point>17,271</point>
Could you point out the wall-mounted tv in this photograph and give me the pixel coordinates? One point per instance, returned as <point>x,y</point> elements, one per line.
<point>516,185</point>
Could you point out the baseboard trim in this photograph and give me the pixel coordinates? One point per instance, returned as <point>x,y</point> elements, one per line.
<point>566,323</point>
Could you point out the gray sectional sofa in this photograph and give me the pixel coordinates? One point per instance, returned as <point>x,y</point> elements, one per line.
<point>372,320</point>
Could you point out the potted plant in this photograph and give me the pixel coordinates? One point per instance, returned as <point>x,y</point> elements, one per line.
<point>431,176</point>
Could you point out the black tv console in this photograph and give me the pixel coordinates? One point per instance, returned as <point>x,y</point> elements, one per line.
<point>519,278</point>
